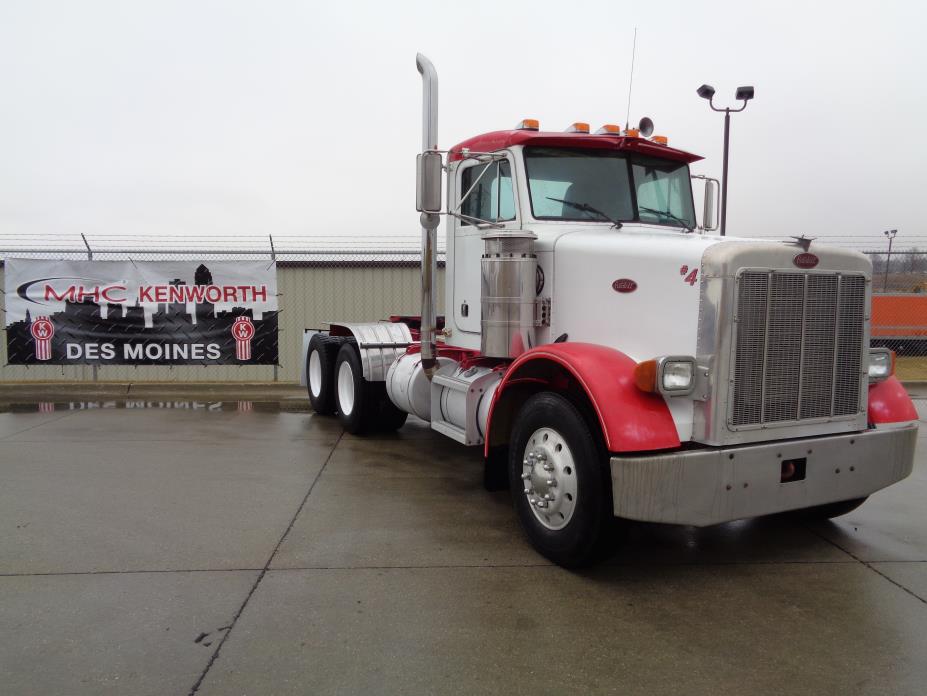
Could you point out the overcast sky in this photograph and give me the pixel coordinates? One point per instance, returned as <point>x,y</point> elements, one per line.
<point>303,118</point>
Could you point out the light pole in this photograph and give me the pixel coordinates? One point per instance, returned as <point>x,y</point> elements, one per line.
<point>744,94</point>
<point>888,261</point>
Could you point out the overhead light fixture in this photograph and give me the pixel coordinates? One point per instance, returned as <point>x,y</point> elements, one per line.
<point>744,94</point>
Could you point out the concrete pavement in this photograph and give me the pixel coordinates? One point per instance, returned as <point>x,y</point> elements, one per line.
<point>245,548</point>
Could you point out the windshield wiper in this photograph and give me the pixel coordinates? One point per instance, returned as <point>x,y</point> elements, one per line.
<point>666,213</point>
<point>586,208</point>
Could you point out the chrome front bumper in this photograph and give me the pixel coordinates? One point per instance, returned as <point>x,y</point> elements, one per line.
<point>712,485</point>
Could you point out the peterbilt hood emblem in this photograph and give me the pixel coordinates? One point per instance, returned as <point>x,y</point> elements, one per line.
<point>624,285</point>
<point>806,260</point>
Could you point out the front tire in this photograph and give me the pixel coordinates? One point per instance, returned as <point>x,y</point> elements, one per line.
<point>561,488</point>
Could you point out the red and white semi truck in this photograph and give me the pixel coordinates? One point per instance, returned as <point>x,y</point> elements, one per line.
<point>611,358</point>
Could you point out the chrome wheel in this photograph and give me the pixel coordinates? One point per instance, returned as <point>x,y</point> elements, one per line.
<point>549,477</point>
<point>345,389</point>
<point>315,373</point>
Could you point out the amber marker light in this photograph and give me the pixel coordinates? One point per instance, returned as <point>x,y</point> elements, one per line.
<point>645,376</point>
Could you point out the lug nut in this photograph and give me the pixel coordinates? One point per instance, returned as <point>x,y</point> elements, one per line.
<point>548,467</point>
<point>551,482</point>
<point>525,476</point>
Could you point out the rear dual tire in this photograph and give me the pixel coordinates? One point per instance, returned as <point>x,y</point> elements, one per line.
<point>361,406</point>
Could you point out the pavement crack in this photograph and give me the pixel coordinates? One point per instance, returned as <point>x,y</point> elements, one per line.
<point>867,564</point>
<point>286,532</point>
<point>546,564</point>
<point>127,572</point>
<point>38,425</point>
<point>894,582</point>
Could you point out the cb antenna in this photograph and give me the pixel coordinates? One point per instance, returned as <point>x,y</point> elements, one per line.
<point>627,118</point>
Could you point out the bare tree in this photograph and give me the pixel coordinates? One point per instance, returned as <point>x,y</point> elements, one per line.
<point>917,261</point>
<point>878,263</point>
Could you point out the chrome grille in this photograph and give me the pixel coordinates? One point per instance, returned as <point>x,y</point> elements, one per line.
<point>798,348</point>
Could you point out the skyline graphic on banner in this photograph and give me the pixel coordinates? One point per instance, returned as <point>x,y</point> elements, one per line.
<point>102,332</point>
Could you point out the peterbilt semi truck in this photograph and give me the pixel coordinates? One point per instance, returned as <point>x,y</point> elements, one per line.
<point>611,358</point>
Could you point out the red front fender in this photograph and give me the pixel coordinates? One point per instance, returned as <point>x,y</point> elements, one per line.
<point>890,403</point>
<point>631,420</point>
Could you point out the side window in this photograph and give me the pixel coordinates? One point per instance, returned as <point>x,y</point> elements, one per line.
<point>491,198</point>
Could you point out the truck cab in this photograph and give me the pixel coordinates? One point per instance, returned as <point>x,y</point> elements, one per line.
<point>550,184</point>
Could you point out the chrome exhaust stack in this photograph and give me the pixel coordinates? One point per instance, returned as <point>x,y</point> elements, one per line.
<point>429,220</point>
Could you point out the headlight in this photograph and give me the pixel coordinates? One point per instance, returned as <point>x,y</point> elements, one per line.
<point>881,364</point>
<point>671,375</point>
<point>677,375</point>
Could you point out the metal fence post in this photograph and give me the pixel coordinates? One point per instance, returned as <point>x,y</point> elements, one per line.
<point>273,257</point>
<point>94,369</point>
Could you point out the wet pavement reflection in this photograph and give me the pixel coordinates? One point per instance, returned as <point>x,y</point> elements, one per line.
<point>284,406</point>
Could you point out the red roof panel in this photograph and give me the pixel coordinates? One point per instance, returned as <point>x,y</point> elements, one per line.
<point>498,140</point>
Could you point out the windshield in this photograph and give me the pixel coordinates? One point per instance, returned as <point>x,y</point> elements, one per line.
<point>624,186</point>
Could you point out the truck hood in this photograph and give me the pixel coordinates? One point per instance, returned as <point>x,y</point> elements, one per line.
<point>637,289</point>
<point>643,291</point>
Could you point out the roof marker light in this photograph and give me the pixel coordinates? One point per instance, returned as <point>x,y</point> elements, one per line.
<point>660,140</point>
<point>578,127</point>
<point>609,129</point>
<point>632,133</point>
<point>528,124</point>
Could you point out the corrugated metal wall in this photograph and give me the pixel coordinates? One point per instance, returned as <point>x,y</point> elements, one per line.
<point>309,296</point>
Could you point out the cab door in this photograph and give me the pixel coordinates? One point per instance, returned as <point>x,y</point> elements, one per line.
<point>486,201</point>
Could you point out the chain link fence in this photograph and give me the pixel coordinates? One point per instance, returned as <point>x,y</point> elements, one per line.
<point>899,309</point>
<point>318,280</point>
<point>361,279</point>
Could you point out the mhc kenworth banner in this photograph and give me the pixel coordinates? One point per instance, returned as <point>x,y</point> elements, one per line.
<point>141,312</point>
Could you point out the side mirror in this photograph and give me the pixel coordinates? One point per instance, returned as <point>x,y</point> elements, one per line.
<point>428,170</point>
<point>709,223</point>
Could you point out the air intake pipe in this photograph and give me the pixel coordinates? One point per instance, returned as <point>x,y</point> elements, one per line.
<point>509,277</point>
<point>429,220</point>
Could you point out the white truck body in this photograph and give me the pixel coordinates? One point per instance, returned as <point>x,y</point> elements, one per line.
<point>698,378</point>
